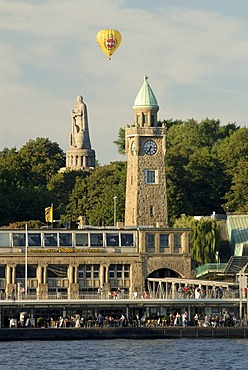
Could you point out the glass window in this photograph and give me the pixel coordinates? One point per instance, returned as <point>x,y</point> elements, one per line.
<point>96,240</point>
<point>81,271</point>
<point>177,240</point>
<point>65,240</point>
<point>151,177</point>
<point>57,271</point>
<point>112,240</point>
<point>164,240</point>
<point>88,271</point>
<point>119,271</point>
<point>82,240</point>
<point>126,240</point>
<point>126,271</point>
<point>150,243</point>
<point>177,243</point>
<point>112,271</point>
<point>51,239</point>
<point>150,240</point>
<point>34,239</point>
<point>19,240</point>
<point>20,272</point>
<point>2,271</point>
<point>96,271</point>
<point>31,270</point>
<point>4,240</point>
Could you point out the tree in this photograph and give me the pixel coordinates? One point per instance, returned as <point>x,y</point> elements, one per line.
<point>233,154</point>
<point>41,159</point>
<point>120,142</point>
<point>237,196</point>
<point>92,197</point>
<point>196,179</point>
<point>24,175</point>
<point>204,238</point>
<point>61,186</point>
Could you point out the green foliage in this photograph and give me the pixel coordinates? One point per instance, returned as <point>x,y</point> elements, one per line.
<point>204,238</point>
<point>60,186</point>
<point>233,154</point>
<point>92,197</point>
<point>23,179</point>
<point>41,159</point>
<point>196,178</point>
<point>120,142</point>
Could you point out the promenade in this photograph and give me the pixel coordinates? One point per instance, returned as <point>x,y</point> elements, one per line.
<point>165,297</point>
<point>122,333</point>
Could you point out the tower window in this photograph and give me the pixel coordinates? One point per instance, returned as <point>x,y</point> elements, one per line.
<point>152,120</point>
<point>151,211</point>
<point>145,118</point>
<point>151,177</point>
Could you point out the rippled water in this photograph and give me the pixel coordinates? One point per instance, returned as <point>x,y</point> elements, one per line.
<point>194,354</point>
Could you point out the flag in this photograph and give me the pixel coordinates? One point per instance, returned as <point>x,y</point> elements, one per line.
<point>49,214</point>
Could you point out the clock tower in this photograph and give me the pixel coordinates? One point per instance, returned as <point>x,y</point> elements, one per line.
<point>145,143</point>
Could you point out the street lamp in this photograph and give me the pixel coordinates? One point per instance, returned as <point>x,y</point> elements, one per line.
<point>26,262</point>
<point>115,198</point>
<point>242,284</point>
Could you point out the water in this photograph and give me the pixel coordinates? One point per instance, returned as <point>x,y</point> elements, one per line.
<point>122,354</point>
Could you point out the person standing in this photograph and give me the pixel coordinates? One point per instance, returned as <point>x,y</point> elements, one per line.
<point>196,318</point>
<point>185,319</point>
<point>100,320</point>
<point>177,318</point>
<point>99,292</point>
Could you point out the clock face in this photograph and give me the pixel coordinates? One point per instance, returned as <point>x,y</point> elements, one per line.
<point>133,147</point>
<point>150,147</point>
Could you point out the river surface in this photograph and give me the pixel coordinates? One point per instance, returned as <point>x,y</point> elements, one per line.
<point>124,354</point>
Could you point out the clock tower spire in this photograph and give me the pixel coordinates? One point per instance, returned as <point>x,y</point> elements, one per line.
<point>145,143</point>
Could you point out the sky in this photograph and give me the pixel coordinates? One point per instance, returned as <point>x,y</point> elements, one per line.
<point>195,53</point>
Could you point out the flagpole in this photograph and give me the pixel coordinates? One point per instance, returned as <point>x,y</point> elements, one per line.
<point>26,262</point>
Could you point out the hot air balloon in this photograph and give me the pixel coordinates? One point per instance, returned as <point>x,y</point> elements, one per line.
<point>109,41</point>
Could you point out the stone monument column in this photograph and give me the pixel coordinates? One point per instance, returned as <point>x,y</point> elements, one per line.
<point>80,156</point>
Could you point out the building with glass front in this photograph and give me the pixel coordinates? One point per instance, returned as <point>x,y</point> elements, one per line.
<point>75,263</point>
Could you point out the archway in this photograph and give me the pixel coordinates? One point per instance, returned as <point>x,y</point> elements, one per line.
<point>160,274</point>
<point>164,272</point>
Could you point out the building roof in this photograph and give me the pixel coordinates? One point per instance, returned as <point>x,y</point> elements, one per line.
<point>145,97</point>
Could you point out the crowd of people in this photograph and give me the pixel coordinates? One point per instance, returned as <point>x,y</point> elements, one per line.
<point>199,292</point>
<point>173,319</point>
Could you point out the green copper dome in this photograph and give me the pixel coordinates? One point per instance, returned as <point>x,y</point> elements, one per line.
<point>145,97</point>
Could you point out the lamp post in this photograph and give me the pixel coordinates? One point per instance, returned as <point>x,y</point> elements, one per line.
<point>115,198</point>
<point>26,263</point>
<point>242,284</point>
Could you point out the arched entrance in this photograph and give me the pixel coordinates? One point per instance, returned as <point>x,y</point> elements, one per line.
<point>160,274</point>
<point>163,272</point>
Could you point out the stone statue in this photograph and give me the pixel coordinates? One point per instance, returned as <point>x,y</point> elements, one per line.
<point>80,135</point>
